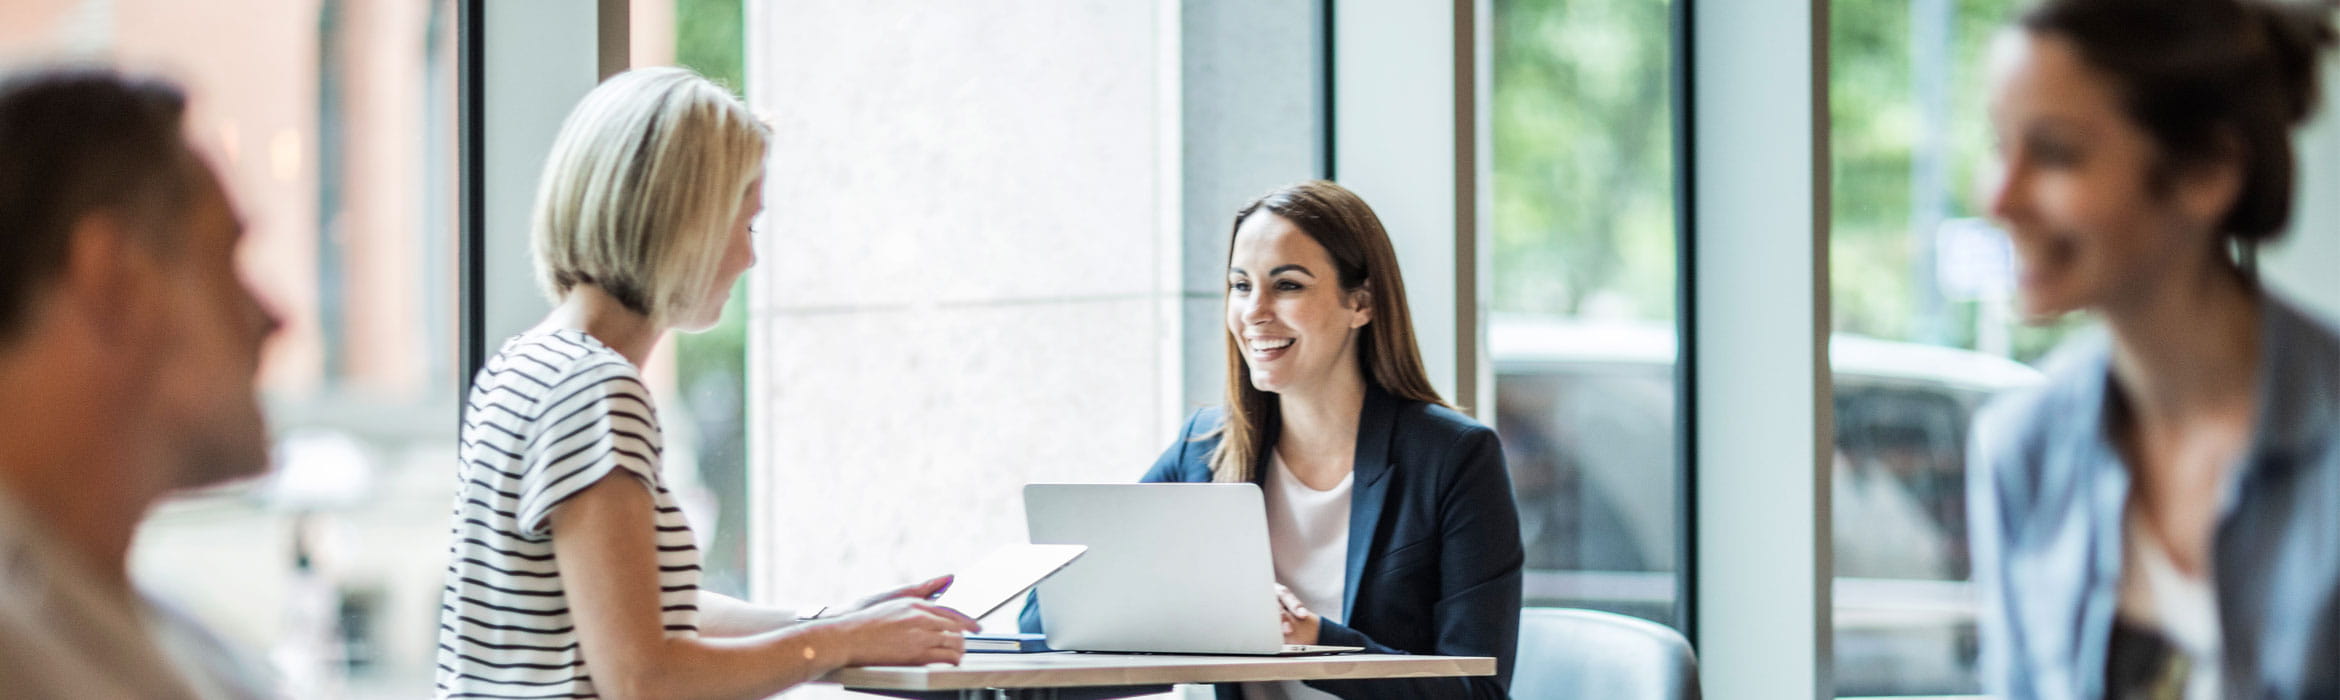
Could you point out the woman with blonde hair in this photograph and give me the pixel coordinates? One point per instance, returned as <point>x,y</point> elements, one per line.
<point>573,572</point>
<point>1390,517</point>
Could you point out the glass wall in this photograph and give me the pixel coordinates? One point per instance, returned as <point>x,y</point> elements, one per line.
<point>1582,330</point>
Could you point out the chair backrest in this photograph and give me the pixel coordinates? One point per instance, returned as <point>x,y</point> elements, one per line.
<point>1569,653</point>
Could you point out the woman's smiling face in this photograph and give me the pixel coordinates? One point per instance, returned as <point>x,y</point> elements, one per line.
<point>2094,214</point>
<point>1295,326</point>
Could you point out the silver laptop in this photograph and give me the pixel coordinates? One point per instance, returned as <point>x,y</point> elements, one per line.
<point>1171,568</point>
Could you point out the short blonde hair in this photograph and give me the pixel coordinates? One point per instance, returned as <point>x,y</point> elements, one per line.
<point>641,189</point>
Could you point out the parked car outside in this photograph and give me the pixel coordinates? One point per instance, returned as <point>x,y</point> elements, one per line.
<point>1587,416</point>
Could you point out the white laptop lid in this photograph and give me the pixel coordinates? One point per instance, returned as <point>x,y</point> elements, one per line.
<point>1175,568</point>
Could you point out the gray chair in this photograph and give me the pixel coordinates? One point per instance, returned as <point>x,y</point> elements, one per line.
<point>1568,654</point>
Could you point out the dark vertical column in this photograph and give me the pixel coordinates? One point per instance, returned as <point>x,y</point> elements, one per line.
<point>471,128</point>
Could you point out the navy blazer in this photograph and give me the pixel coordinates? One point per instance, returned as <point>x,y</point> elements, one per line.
<point>1434,552</point>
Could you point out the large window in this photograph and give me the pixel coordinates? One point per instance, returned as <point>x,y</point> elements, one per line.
<point>1582,334</point>
<point>1921,282</point>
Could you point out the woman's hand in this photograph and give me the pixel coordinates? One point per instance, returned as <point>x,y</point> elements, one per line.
<point>925,590</point>
<point>904,632</point>
<point>1300,624</point>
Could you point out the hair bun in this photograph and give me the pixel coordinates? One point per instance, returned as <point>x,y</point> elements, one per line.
<point>2296,35</point>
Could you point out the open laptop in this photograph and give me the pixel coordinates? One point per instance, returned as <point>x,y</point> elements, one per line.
<point>1171,568</point>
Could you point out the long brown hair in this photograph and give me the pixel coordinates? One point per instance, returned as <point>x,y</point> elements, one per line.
<point>1364,259</point>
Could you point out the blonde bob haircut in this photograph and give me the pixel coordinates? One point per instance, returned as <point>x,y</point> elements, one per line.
<point>641,189</point>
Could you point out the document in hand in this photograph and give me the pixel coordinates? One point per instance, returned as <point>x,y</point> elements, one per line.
<point>1004,575</point>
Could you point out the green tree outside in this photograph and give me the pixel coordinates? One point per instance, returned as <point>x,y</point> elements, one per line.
<point>1583,218</point>
<point>1583,174</point>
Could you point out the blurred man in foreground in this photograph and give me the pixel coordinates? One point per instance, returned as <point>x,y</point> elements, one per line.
<point>128,352</point>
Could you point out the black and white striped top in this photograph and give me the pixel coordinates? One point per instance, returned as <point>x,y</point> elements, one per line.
<point>549,415</point>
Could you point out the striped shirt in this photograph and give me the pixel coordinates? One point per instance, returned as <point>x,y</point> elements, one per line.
<point>551,414</point>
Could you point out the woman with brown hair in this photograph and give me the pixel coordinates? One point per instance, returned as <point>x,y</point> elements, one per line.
<point>1390,517</point>
<point>2160,519</point>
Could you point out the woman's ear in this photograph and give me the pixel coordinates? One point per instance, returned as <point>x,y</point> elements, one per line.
<point>2210,189</point>
<point>1360,306</point>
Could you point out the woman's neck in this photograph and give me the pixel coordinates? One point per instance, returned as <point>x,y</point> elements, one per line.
<point>1318,438</point>
<point>2187,348</point>
<point>587,308</point>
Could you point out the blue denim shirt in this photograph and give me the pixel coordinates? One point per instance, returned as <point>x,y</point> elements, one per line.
<point>2046,493</point>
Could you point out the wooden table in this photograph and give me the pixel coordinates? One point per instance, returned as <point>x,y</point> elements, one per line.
<point>1069,675</point>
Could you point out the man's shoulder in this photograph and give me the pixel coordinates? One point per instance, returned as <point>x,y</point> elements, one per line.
<point>205,658</point>
<point>60,639</point>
